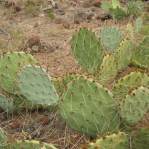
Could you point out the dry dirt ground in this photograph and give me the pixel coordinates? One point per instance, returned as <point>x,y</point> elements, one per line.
<point>46,33</point>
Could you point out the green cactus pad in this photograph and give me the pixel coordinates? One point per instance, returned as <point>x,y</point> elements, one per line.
<point>141,56</point>
<point>61,83</point>
<point>87,50</point>
<point>129,83</point>
<point>3,139</point>
<point>35,85</point>
<point>113,141</point>
<point>6,104</point>
<point>32,144</point>
<point>135,106</point>
<point>140,140</point>
<point>135,8</point>
<point>89,108</point>
<point>123,54</point>
<point>111,38</point>
<point>10,64</point>
<point>138,25</point>
<point>108,69</point>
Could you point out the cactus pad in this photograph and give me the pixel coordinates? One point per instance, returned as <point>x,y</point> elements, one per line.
<point>6,104</point>
<point>135,106</point>
<point>32,144</point>
<point>123,54</point>
<point>10,64</point>
<point>141,56</point>
<point>129,83</point>
<point>113,141</point>
<point>35,85</point>
<point>111,38</point>
<point>108,69</point>
<point>61,83</point>
<point>87,50</point>
<point>89,108</point>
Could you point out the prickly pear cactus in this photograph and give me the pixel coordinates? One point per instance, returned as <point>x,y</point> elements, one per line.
<point>10,64</point>
<point>140,140</point>
<point>135,8</point>
<point>32,144</point>
<point>138,25</point>
<point>141,56</point>
<point>6,104</point>
<point>36,86</point>
<point>108,69</point>
<point>87,50</point>
<point>113,63</point>
<point>123,54</point>
<point>129,83</point>
<point>3,139</point>
<point>111,38</point>
<point>135,106</point>
<point>113,141</point>
<point>89,108</point>
<point>61,83</point>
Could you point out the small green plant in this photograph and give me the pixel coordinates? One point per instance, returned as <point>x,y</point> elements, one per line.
<point>114,8</point>
<point>119,11</point>
<point>50,14</point>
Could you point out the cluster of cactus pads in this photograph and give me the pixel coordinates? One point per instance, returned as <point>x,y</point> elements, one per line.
<point>114,91</point>
<point>24,83</point>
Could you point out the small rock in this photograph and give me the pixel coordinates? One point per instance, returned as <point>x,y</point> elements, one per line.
<point>35,48</point>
